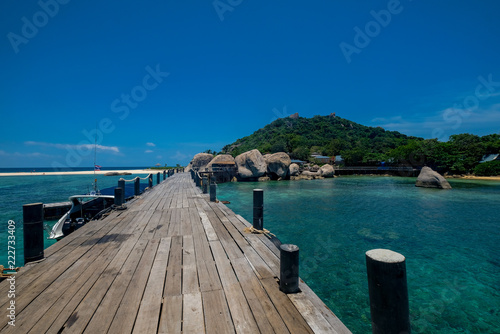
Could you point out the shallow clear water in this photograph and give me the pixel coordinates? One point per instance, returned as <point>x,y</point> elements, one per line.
<point>15,191</point>
<point>450,239</point>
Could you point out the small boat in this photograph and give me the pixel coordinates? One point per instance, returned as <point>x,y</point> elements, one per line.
<point>83,209</point>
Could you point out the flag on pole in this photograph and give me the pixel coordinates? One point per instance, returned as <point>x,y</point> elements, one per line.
<point>97,167</point>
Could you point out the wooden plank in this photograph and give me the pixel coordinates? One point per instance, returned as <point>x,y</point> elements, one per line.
<point>192,314</point>
<point>149,312</point>
<point>311,315</point>
<point>209,230</point>
<point>174,269</point>
<point>323,309</point>
<point>288,312</point>
<point>189,271</point>
<point>105,313</point>
<point>217,316</point>
<point>123,321</point>
<point>56,294</point>
<point>266,315</point>
<point>186,228</point>
<point>162,228</point>
<point>171,315</point>
<point>79,319</point>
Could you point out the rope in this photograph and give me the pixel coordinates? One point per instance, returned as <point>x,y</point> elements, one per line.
<point>141,178</point>
<point>253,230</point>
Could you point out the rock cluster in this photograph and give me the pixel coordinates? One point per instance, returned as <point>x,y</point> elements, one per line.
<point>254,166</point>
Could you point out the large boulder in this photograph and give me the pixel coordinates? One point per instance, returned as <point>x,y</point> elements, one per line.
<point>250,164</point>
<point>188,168</point>
<point>277,164</point>
<point>326,171</point>
<point>221,158</point>
<point>431,179</point>
<point>294,169</point>
<point>201,160</point>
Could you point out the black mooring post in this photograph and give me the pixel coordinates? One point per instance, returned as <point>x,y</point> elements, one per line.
<point>289,268</point>
<point>33,232</point>
<point>118,196</point>
<point>121,184</point>
<point>150,181</point>
<point>164,175</point>
<point>205,184</point>
<point>258,209</point>
<point>213,190</point>
<point>158,178</point>
<point>388,290</point>
<point>137,186</point>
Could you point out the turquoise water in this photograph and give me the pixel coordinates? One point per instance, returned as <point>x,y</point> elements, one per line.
<point>18,190</point>
<point>450,239</point>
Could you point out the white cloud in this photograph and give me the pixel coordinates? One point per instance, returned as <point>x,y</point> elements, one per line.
<point>179,156</point>
<point>151,144</point>
<point>88,147</point>
<point>443,123</point>
<point>148,151</point>
<point>25,155</point>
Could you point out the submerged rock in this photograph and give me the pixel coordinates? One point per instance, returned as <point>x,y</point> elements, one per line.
<point>431,179</point>
<point>251,164</point>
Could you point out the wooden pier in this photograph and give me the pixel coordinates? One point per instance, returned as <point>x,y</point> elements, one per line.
<point>172,262</point>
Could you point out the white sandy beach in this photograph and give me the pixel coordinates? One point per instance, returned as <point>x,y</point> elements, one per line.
<point>101,172</point>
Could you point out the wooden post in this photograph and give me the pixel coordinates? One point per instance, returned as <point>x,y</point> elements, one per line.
<point>158,178</point>
<point>388,292</point>
<point>258,209</point>
<point>121,184</point>
<point>164,175</point>
<point>150,180</point>
<point>289,268</point>
<point>33,232</point>
<point>213,190</point>
<point>205,184</point>
<point>137,186</point>
<point>118,196</point>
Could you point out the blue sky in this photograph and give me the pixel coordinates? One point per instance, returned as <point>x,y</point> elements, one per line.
<point>163,80</point>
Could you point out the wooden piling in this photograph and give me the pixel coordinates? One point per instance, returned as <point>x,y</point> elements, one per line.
<point>119,196</point>
<point>164,175</point>
<point>150,181</point>
<point>213,190</point>
<point>33,232</point>
<point>388,292</point>
<point>137,186</point>
<point>121,184</point>
<point>205,185</point>
<point>289,268</point>
<point>158,178</point>
<point>258,209</point>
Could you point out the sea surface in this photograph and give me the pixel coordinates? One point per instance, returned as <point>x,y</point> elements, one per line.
<point>450,238</point>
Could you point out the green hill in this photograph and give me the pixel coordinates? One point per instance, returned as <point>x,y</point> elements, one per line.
<point>364,145</point>
<point>326,135</point>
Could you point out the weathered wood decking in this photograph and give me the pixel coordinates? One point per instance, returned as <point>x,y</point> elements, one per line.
<point>172,262</point>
